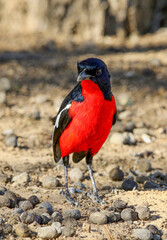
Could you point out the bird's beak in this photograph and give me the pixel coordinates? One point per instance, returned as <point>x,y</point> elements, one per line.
<point>83,76</point>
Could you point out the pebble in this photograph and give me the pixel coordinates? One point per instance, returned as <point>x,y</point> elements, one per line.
<point>98,218</point>
<point>130,126</point>
<point>146,138</point>
<point>5,84</point>
<point>143,212</point>
<point>45,219</point>
<point>111,216</point>
<point>129,184</point>
<point>17,211</point>
<point>12,196</point>
<point>86,227</point>
<point>79,185</point>
<point>76,175</point>
<point>47,232</point>
<point>124,99</point>
<point>119,204</point>
<point>153,229</point>
<point>3,97</point>
<point>21,179</point>
<point>117,138</point>
<point>7,132</point>
<point>128,214</point>
<point>22,230</point>
<point>142,234</point>
<point>69,222</point>
<point>125,115</point>
<point>3,178</point>
<point>156,237</point>
<point>141,179</point>
<point>50,182</point>
<point>47,206</point>
<point>56,216</point>
<point>11,140</point>
<point>68,232</point>
<point>27,218</point>
<point>36,115</point>
<point>25,205</point>
<point>34,200</point>
<point>73,213</point>
<point>5,201</point>
<point>7,228</point>
<point>116,174</point>
<point>1,221</point>
<point>143,165</point>
<point>151,185</point>
<point>57,226</point>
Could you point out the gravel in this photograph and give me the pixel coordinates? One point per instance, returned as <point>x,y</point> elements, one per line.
<point>25,205</point>
<point>46,205</point>
<point>73,213</point>
<point>129,184</point>
<point>5,202</point>
<point>11,140</point>
<point>86,227</point>
<point>57,226</point>
<point>56,216</point>
<point>69,222</point>
<point>119,205</point>
<point>142,234</point>
<point>151,185</point>
<point>17,211</point>
<point>22,230</point>
<point>143,165</point>
<point>111,216</point>
<point>143,212</point>
<point>21,179</point>
<point>47,232</point>
<point>116,174</point>
<point>76,175</point>
<point>128,214</point>
<point>50,182</point>
<point>98,218</point>
<point>68,232</point>
<point>33,200</point>
<point>153,229</point>
<point>27,218</point>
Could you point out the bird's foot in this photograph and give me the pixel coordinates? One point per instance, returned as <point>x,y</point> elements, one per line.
<point>69,198</point>
<point>95,197</point>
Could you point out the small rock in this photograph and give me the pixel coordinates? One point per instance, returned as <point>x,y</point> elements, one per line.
<point>5,84</point>
<point>143,212</point>
<point>34,200</point>
<point>69,222</point>
<point>47,206</point>
<point>116,174</point>
<point>146,138</point>
<point>153,229</point>
<point>73,213</point>
<point>7,228</point>
<point>76,175</point>
<point>21,179</point>
<point>5,201</point>
<point>22,230</point>
<point>12,196</point>
<point>86,227</point>
<point>68,232</point>
<point>143,165</point>
<point>57,225</point>
<point>56,216</point>
<point>25,205</point>
<point>128,214</point>
<point>130,126</point>
<point>47,232</point>
<point>129,138</point>
<point>125,115</point>
<point>1,221</point>
<point>111,216</point>
<point>79,185</point>
<point>17,211</point>
<point>117,138</point>
<point>27,218</point>
<point>3,178</point>
<point>124,99</point>
<point>3,97</point>
<point>50,182</point>
<point>98,218</point>
<point>11,140</point>
<point>151,185</point>
<point>7,132</point>
<point>119,205</point>
<point>142,234</point>
<point>36,115</point>
<point>129,184</point>
<point>141,179</point>
<point>45,218</point>
<point>156,237</point>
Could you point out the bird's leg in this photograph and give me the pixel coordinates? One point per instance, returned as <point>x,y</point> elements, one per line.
<point>95,196</point>
<point>66,194</point>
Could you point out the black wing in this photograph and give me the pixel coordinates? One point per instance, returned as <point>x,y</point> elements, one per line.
<point>62,118</point>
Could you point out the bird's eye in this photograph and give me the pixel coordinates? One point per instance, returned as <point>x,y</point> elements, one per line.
<point>99,71</point>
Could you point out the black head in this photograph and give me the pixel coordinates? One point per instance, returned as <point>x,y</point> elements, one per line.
<point>96,70</point>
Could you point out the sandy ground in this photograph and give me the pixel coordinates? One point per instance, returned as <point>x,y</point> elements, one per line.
<point>52,74</point>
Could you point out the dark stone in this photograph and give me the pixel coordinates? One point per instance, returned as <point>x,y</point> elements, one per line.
<point>116,174</point>
<point>151,185</point>
<point>47,206</point>
<point>129,184</point>
<point>34,200</point>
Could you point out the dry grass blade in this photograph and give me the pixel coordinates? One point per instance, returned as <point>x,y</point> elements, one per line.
<point>108,233</point>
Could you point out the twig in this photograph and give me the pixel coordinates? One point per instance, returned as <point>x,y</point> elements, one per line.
<point>108,233</point>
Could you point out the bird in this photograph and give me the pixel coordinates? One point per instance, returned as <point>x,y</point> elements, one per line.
<point>84,121</point>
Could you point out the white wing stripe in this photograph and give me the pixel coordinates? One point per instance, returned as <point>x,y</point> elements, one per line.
<point>58,116</point>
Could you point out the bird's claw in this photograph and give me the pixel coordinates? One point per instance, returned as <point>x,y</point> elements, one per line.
<point>69,198</point>
<point>95,197</point>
